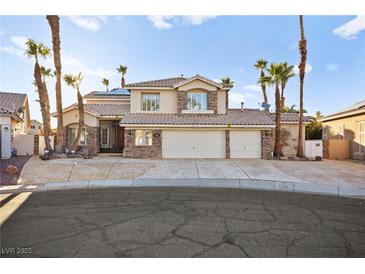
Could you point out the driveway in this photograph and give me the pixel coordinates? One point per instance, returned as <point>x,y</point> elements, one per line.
<point>339,173</point>
<point>183,222</point>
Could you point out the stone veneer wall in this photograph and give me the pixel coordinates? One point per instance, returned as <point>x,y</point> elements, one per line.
<point>181,100</point>
<point>266,144</point>
<point>133,151</point>
<point>213,100</point>
<point>93,143</point>
<point>326,152</point>
<point>228,145</point>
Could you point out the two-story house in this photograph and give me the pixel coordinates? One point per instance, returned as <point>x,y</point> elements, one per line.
<point>189,118</point>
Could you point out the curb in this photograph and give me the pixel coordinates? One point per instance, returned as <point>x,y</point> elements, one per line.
<point>23,170</point>
<point>267,185</point>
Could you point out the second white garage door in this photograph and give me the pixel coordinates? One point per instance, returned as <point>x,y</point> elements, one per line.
<point>193,144</point>
<point>245,144</point>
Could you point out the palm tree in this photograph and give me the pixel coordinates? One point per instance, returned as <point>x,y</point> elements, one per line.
<point>105,82</point>
<point>46,73</point>
<point>74,81</point>
<point>123,70</point>
<point>227,81</point>
<point>36,50</point>
<point>302,65</point>
<point>261,64</point>
<point>291,109</point>
<point>54,23</point>
<point>287,73</point>
<point>275,74</point>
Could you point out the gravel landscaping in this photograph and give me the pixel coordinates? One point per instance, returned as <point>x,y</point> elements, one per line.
<point>11,179</point>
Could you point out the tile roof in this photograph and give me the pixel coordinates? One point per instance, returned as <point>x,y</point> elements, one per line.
<point>11,102</point>
<point>358,107</point>
<point>101,109</point>
<point>166,83</point>
<point>291,117</point>
<point>171,82</point>
<point>233,117</point>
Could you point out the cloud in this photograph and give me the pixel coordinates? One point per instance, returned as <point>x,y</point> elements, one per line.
<point>69,63</point>
<point>240,97</point>
<point>308,68</point>
<point>90,23</point>
<point>254,87</point>
<point>168,21</point>
<point>17,48</point>
<point>2,32</point>
<point>350,29</point>
<point>331,67</point>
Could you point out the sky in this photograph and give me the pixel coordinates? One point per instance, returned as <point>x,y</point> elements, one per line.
<point>156,47</point>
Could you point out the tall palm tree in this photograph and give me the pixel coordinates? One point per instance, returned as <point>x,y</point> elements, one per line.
<point>45,74</point>
<point>227,81</point>
<point>36,50</point>
<point>261,64</point>
<point>302,65</point>
<point>275,73</point>
<point>105,82</point>
<point>287,73</point>
<point>74,81</point>
<point>122,70</point>
<point>54,23</point>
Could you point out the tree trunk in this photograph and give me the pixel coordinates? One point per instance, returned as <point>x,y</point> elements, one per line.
<point>123,82</point>
<point>41,94</point>
<point>53,21</point>
<point>81,118</point>
<point>282,98</point>
<point>302,65</point>
<point>277,148</point>
<point>263,87</point>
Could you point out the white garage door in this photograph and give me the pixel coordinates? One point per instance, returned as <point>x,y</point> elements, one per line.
<point>193,144</point>
<point>245,144</point>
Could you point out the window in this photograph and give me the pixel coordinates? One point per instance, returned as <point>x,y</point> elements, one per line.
<point>72,132</point>
<point>150,102</point>
<point>341,131</point>
<point>32,127</point>
<point>362,137</point>
<point>143,137</point>
<point>197,101</point>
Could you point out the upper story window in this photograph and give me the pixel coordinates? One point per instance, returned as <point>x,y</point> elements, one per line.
<point>197,101</point>
<point>150,102</point>
<point>32,127</point>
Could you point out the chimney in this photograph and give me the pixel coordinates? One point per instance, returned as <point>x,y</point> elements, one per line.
<point>242,103</point>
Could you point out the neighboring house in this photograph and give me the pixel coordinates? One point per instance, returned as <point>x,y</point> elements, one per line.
<point>290,123</point>
<point>14,119</point>
<point>348,123</point>
<point>103,112</point>
<point>189,118</point>
<point>35,127</point>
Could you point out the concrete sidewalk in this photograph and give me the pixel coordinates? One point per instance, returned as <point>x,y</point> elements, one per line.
<point>268,185</point>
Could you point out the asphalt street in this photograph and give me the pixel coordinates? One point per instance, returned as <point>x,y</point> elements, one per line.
<point>183,222</point>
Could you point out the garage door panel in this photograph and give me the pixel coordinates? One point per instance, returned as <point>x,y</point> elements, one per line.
<point>245,144</point>
<point>193,144</point>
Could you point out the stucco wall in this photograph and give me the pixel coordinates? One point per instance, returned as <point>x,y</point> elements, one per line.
<point>168,100</point>
<point>291,149</point>
<point>221,102</point>
<point>352,130</point>
<point>72,116</point>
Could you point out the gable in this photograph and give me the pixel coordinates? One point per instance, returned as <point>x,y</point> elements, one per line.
<point>197,84</point>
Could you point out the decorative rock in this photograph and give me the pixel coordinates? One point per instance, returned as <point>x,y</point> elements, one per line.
<point>10,169</point>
